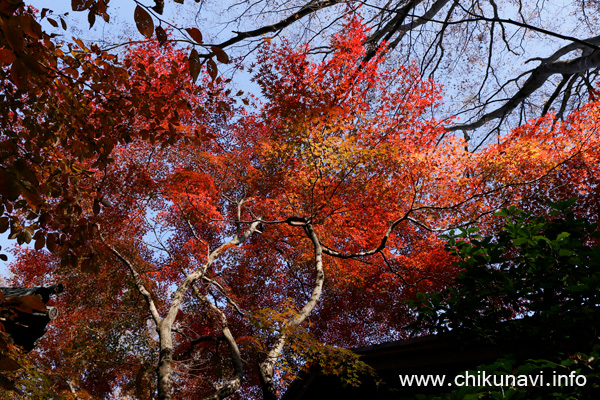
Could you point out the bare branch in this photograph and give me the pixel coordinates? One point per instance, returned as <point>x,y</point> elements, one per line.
<point>139,283</point>
<point>233,384</point>
<point>334,253</point>
<point>222,290</point>
<point>308,9</point>
<point>536,79</point>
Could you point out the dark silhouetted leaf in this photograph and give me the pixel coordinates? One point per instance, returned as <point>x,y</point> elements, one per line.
<point>9,185</point>
<point>33,198</point>
<point>17,73</point>
<point>40,243</point>
<point>15,36</point>
<point>51,242</point>
<point>92,18</point>
<point>7,56</point>
<point>195,34</point>
<point>81,5</point>
<point>26,304</point>
<point>96,207</point>
<point>30,27</point>
<point>161,35</point>
<point>211,66</point>
<point>27,236</point>
<point>222,57</point>
<point>8,385</point>
<point>8,364</point>
<point>194,60</point>
<point>143,21</point>
<point>159,6</point>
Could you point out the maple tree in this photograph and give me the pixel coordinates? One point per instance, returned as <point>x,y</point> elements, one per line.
<point>504,61</point>
<point>179,185</point>
<point>245,237</point>
<point>64,109</point>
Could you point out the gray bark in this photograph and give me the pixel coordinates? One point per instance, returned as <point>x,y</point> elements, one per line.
<point>266,367</point>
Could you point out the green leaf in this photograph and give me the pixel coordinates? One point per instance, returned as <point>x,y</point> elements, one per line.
<point>565,253</point>
<point>520,241</point>
<point>562,235</point>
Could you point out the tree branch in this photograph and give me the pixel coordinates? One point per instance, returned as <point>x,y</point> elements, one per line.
<point>266,366</point>
<point>536,79</point>
<point>308,9</point>
<point>137,279</point>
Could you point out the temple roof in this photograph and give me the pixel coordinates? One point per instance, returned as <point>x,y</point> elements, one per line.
<point>25,328</point>
<point>45,292</point>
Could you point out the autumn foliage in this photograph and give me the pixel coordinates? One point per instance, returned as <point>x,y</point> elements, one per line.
<point>219,247</point>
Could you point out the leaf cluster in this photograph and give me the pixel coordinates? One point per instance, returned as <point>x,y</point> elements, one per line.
<point>532,291</point>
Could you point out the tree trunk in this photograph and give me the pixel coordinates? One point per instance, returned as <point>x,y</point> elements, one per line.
<point>265,372</point>
<point>164,372</point>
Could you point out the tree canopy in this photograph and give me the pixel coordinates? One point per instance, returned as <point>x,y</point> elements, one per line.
<point>213,244</point>
<point>503,62</point>
<point>500,278</point>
